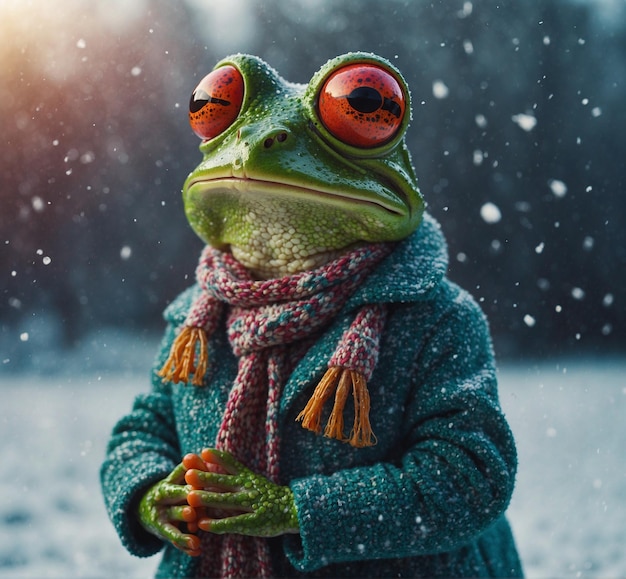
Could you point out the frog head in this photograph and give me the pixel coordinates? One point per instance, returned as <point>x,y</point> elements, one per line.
<point>293,175</point>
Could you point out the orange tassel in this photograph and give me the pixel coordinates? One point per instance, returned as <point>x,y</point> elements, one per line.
<point>311,416</point>
<point>340,380</point>
<point>181,360</point>
<point>362,434</point>
<point>334,427</point>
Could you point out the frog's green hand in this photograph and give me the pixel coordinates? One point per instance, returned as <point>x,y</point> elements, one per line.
<point>163,508</point>
<point>236,500</point>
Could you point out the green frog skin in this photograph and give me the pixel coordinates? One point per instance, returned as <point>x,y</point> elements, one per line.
<point>291,177</point>
<point>299,174</point>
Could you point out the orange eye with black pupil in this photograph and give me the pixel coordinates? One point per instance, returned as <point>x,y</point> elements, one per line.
<point>216,102</point>
<point>362,105</point>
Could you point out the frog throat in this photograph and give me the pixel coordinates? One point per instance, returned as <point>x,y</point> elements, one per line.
<point>273,152</point>
<point>277,229</point>
<point>269,317</point>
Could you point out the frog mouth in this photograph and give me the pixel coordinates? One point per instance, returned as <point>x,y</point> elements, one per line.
<point>258,187</point>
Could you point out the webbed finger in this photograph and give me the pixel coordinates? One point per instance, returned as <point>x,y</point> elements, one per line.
<point>190,544</point>
<point>240,524</point>
<point>212,481</point>
<point>240,501</point>
<point>193,461</point>
<point>177,476</point>
<point>193,546</point>
<point>183,541</point>
<point>170,494</point>
<point>230,504</point>
<point>182,513</point>
<point>222,459</point>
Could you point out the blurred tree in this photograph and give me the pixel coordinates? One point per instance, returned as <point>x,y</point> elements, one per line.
<point>516,109</point>
<point>94,160</point>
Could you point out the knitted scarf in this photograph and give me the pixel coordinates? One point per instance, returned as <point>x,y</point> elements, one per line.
<point>270,324</point>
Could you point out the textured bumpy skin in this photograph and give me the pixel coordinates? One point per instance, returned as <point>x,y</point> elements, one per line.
<point>165,506</point>
<point>283,193</point>
<point>426,501</point>
<point>256,506</point>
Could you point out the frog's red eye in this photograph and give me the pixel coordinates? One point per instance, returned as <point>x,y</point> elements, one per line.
<point>216,102</point>
<point>362,105</point>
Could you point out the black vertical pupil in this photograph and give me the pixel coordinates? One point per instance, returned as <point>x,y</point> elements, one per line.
<point>365,99</point>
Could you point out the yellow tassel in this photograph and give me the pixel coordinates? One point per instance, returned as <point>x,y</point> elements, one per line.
<point>340,380</point>
<point>181,360</point>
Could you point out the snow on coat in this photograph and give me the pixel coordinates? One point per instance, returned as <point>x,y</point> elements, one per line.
<point>428,500</point>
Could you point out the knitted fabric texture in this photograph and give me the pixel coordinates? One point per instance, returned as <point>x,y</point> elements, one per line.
<point>445,455</point>
<point>268,323</point>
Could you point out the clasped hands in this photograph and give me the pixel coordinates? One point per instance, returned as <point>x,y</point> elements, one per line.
<point>215,493</point>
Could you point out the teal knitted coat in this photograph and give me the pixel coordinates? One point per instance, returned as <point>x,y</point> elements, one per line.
<point>426,501</point>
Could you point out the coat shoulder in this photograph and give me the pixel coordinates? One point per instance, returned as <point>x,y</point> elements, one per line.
<point>176,312</point>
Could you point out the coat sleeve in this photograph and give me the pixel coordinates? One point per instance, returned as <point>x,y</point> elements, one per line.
<point>452,477</point>
<point>143,449</point>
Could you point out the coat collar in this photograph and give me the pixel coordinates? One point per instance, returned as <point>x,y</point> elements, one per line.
<point>411,273</point>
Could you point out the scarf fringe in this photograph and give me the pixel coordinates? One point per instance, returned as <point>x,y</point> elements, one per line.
<point>181,360</point>
<point>340,381</point>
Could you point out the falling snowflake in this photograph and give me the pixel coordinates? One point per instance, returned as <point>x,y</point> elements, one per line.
<point>37,203</point>
<point>559,189</point>
<point>480,120</point>
<point>466,11</point>
<point>490,213</point>
<point>440,90</point>
<point>529,320</point>
<point>525,121</point>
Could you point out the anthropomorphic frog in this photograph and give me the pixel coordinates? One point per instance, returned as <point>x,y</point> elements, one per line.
<point>325,400</point>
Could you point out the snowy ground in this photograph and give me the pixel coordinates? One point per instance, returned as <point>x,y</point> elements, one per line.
<point>569,511</point>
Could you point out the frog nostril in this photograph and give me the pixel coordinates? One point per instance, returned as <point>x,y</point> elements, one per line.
<point>279,137</point>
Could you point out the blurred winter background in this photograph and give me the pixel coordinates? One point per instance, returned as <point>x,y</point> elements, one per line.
<point>518,137</point>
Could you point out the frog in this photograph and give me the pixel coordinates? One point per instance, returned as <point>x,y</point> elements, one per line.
<point>321,293</point>
<point>291,176</point>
